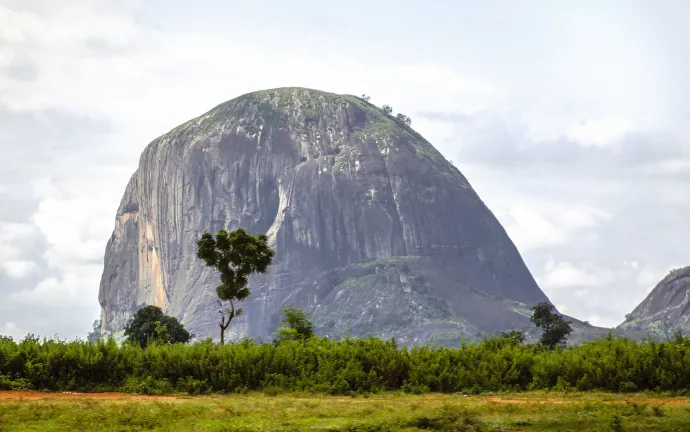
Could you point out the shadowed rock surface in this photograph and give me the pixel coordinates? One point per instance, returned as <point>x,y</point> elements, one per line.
<point>666,308</point>
<point>374,231</point>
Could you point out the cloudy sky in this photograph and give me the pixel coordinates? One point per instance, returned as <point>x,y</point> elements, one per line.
<point>570,118</point>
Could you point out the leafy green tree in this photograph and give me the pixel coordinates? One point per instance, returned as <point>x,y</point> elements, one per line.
<point>297,325</point>
<point>236,255</point>
<point>387,109</point>
<point>160,333</point>
<point>151,324</point>
<point>677,336</point>
<point>515,336</point>
<point>555,328</point>
<point>403,118</point>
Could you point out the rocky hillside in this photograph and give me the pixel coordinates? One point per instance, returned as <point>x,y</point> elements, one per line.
<point>666,308</point>
<point>374,231</point>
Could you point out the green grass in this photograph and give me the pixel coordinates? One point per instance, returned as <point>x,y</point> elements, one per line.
<point>390,412</point>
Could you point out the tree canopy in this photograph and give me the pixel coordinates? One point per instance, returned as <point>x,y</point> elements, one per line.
<point>235,255</point>
<point>296,325</point>
<point>403,118</point>
<point>555,328</point>
<point>151,324</point>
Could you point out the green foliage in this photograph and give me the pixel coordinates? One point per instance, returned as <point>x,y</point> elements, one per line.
<point>7,383</point>
<point>617,424</point>
<point>555,328</point>
<point>346,367</point>
<point>403,118</point>
<point>296,325</point>
<point>160,333</point>
<point>514,336</point>
<point>150,324</point>
<point>236,255</point>
<point>387,109</point>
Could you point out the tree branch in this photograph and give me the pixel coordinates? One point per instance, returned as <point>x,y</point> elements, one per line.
<point>232,311</point>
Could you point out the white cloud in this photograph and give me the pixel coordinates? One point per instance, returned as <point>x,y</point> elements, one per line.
<point>76,229</point>
<point>648,278</point>
<point>587,289</point>
<point>634,264</point>
<point>10,329</point>
<point>530,230</point>
<point>546,225</point>
<point>601,132</point>
<point>67,290</point>
<point>14,238</point>
<point>562,275</point>
<point>575,217</point>
<point>16,231</point>
<point>44,188</point>
<point>18,269</point>
<point>64,305</point>
<point>673,166</point>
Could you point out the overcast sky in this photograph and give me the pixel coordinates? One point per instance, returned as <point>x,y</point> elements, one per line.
<point>570,119</point>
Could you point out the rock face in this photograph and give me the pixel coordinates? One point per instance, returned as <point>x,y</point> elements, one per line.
<point>374,231</point>
<point>666,308</point>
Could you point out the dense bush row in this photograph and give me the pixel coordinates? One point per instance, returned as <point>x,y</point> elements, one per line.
<point>344,367</point>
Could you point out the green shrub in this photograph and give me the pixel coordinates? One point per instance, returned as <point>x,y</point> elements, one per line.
<point>628,387</point>
<point>346,367</point>
<point>7,383</point>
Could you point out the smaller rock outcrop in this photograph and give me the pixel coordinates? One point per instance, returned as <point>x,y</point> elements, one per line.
<point>666,308</point>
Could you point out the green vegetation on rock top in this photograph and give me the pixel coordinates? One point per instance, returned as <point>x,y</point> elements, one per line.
<point>299,111</point>
<point>383,127</point>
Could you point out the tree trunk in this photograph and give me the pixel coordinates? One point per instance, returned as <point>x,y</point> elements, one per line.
<point>222,330</point>
<point>224,325</point>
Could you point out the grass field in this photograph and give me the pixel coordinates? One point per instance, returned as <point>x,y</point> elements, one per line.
<point>34,411</point>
